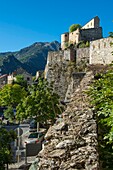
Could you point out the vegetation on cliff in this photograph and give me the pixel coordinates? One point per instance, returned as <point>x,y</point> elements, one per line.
<point>74,27</point>
<point>101,94</point>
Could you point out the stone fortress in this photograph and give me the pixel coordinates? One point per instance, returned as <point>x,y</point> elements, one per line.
<point>73,141</point>
<point>98,52</point>
<point>89,32</point>
<point>57,69</point>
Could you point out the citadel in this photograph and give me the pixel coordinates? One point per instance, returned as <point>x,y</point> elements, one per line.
<point>73,142</point>
<point>98,52</point>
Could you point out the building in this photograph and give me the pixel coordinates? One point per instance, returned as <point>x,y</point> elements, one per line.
<point>26,76</point>
<point>3,80</point>
<point>89,32</point>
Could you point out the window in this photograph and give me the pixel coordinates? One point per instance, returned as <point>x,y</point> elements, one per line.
<point>104,45</point>
<point>28,79</point>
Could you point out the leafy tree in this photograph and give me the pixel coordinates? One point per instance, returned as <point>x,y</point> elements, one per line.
<point>9,113</point>
<point>5,150</point>
<point>83,44</point>
<point>111,34</point>
<point>74,27</point>
<point>101,94</point>
<point>20,80</point>
<point>10,97</point>
<point>42,103</point>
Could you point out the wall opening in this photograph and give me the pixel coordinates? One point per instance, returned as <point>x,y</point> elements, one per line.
<point>104,45</point>
<point>99,45</point>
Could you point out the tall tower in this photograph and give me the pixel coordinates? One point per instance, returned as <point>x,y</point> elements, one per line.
<point>64,40</point>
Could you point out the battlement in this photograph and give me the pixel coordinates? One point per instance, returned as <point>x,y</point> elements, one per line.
<point>101,51</point>
<point>55,56</point>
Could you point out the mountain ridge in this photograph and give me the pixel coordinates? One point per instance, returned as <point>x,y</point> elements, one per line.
<point>31,58</point>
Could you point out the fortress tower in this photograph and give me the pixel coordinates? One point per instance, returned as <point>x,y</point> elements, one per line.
<point>64,39</point>
<point>93,23</point>
<point>89,32</point>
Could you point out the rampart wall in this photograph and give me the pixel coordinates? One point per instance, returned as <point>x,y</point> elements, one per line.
<point>55,56</point>
<point>101,51</point>
<point>82,55</point>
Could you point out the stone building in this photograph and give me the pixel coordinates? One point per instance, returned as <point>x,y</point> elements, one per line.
<point>26,76</point>
<point>3,80</point>
<point>89,32</point>
<point>72,143</point>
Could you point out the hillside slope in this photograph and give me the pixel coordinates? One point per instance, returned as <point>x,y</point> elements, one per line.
<point>31,58</point>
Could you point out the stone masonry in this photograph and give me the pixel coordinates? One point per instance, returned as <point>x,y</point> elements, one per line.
<point>89,32</point>
<point>72,143</point>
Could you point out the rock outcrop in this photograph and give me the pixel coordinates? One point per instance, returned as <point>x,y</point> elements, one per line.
<point>72,143</point>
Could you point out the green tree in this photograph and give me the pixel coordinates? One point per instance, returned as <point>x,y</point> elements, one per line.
<point>10,96</point>
<point>20,80</point>
<point>42,104</point>
<point>111,34</point>
<point>9,113</point>
<point>74,27</point>
<point>5,150</point>
<point>101,94</point>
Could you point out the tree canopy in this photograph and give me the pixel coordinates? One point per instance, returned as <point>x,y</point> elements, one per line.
<point>41,104</point>
<point>20,80</point>
<point>6,137</point>
<point>101,94</point>
<point>10,96</point>
<point>74,27</point>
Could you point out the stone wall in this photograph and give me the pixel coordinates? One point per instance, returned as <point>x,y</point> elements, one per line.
<point>91,34</point>
<point>72,143</point>
<point>74,83</point>
<point>55,56</point>
<point>69,54</point>
<point>82,55</point>
<point>59,73</point>
<point>64,39</point>
<point>74,36</point>
<point>101,51</point>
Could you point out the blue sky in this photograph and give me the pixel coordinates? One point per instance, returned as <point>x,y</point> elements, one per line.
<point>23,22</point>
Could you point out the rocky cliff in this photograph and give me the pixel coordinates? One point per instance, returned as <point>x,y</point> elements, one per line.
<point>72,143</point>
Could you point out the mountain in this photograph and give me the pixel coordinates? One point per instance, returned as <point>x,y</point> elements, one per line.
<point>31,59</point>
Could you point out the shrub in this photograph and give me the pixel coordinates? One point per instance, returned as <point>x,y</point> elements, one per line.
<point>74,27</point>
